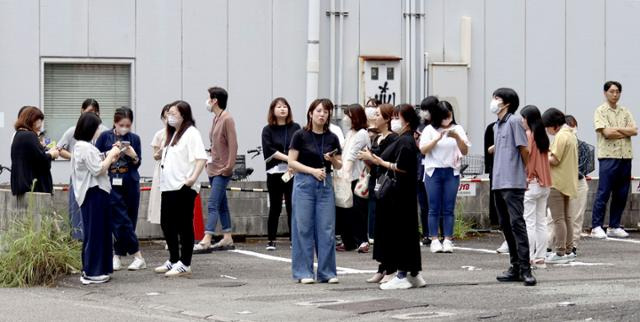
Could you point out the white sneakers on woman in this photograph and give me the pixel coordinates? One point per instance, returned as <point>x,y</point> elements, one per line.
<point>86,280</point>
<point>441,247</point>
<point>404,283</point>
<point>137,264</point>
<point>178,269</point>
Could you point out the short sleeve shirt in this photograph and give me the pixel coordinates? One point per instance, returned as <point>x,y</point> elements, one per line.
<point>311,148</point>
<point>445,154</point>
<point>508,167</point>
<point>607,117</point>
<point>564,175</point>
<point>179,161</point>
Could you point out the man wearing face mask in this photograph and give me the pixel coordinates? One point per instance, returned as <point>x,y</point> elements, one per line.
<point>510,182</point>
<point>125,187</point>
<point>224,148</point>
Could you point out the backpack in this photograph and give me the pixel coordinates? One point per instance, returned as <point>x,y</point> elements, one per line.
<point>586,158</point>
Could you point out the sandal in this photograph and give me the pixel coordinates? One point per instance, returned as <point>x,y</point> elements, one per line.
<point>202,248</point>
<point>219,246</point>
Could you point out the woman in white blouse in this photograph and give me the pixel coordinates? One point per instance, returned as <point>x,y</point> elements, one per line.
<point>443,143</point>
<point>353,221</point>
<point>183,159</point>
<point>91,187</point>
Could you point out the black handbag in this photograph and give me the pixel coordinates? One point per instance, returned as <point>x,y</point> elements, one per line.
<point>384,184</point>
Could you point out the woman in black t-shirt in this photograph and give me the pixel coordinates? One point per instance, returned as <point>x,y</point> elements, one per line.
<point>312,154</point>
<point>276,137</point>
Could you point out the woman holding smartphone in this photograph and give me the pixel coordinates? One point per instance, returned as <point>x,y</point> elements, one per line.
<point>125,191</point>
<point>313,153</point>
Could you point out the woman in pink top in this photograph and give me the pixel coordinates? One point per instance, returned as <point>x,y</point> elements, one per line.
<point>539,179</point>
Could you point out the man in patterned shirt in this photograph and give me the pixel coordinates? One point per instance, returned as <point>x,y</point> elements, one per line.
<point>614,126</point>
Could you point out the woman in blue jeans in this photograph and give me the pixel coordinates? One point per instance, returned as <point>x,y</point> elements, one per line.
<point>443,143</point>
<point>313,152</point>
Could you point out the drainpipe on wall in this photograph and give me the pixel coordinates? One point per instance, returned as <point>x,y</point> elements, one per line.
<point>313,50</point>
<point>340,54</point>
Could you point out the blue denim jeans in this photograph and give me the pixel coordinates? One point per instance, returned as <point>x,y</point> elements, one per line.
<point>442,189</point>
<point>313,227</point>
<point>218,207</point>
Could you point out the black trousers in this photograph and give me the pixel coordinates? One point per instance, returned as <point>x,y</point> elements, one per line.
<point>277,190</point>
<point>510,209</point>
<point>176,220</point>
<point>353,222</point>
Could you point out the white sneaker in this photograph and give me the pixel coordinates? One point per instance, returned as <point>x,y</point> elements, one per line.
<point>178,269</point>
<point>570,257</point>
<point>416,281</point>
<point>503,249</point>
<point>447,246</point>
<point>598,233</point>
<point>86,280</point>
<point>117,264</point>
<point>333,280</point>
<point>617,232</point>
<point>396,284</point>
<point>387,278</point>
<point>163,268</point>
<point>138,264</point>
<point>556,259</point>
<point>307,281</point>
<point>436,246</point>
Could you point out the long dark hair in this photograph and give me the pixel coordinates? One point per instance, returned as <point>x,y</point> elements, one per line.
<point>187,120</point>
<point>357,115</point>
<point>408,113</point>
<point>532,116</point>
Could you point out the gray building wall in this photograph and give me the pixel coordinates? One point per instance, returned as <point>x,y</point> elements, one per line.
<point>553,52</point>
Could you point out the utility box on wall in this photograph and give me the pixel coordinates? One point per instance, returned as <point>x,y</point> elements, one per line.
<point>380,79</point>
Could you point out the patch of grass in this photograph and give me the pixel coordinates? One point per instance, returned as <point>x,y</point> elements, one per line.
<point>37,252</point>
<point>462,227</point>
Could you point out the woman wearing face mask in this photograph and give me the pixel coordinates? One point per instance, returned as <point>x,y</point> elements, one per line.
<point>382,123</point>
<point>426,106</point>
<point>276,137</point>
<point>153,210</point>
<point>443,143</point>
<point>539,184</point>
<point>353,221</point>
<point>125,187</point>
<point>183,159</point>
<point>30,163</point>
<point>91,189</point>
<point>397,212</point>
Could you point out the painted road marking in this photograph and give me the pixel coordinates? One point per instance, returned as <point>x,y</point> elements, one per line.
<point>633,241</point>
<point>341,270</point>
<point>479,250</point>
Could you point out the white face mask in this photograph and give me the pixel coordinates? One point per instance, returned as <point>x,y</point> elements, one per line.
<point>370,112</point>
<point>173,120</point>
<point>495,106</point>
<point>122,131</point>
<point>425,115</point>
<point>346,122</point>
<point>396,125</point>
<point>209,106</point>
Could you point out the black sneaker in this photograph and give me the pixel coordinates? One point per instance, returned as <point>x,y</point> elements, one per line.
<point>528,278</point>
<point>271,245</point>
<point>511,275</point>
<point>426,241</point>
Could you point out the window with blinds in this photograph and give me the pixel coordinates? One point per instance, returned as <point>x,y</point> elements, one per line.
<point>67,85</point>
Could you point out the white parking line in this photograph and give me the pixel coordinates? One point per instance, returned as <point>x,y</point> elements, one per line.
<point>341,270</point>
<point>479,250</point>
<point>633,241</point>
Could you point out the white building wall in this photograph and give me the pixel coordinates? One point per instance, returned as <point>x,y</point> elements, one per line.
<point>553,52</point>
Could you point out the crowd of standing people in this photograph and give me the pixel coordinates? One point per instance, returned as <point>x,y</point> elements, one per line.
<point>390,183</point>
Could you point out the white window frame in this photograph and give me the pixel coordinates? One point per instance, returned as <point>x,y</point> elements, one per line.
<point>106,61</point>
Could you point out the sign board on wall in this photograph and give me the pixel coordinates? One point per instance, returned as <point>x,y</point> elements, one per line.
<point>467,189</point>
<point>380,79</point>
